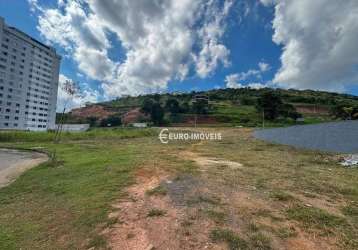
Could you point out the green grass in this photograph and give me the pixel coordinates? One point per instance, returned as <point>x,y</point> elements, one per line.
<point>116,133</point>
<point>215,215</point>
<point>312,217</point>
<point>61,206</point>
<point>260,241</point>
<point>234,241</point>
<point>281,196</point>
<point>351,210</point>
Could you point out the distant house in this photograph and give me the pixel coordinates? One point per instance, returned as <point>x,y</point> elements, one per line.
<point>139,125</point>
<point>204,98</point>
<point>73,127</point>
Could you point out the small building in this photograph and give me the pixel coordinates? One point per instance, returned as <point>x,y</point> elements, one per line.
<point>203,98</point>
<point>74,127</point>
<point>139,125</point>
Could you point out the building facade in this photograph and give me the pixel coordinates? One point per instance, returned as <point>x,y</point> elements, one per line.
<point>29,74</point>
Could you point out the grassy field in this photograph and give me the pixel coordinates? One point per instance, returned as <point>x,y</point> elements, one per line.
<point>238,193</point>
<point>59,204</point>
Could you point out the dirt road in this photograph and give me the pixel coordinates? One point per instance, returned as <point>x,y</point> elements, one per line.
<point>13,163</point>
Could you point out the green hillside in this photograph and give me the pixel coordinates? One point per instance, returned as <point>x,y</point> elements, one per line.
<point>238,107</point>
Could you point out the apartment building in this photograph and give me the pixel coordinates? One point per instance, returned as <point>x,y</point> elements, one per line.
<point>29,74</point>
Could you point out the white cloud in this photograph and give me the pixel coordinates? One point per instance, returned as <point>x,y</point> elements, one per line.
<point>64,100</point>
<point>319,41</point>
<point>212,52</point>
<point>267,2</point>
<point>256,85</point>
<point>232,81</point>
<point>264,66</point>
<point>162,40</point>
<point>235,80</point>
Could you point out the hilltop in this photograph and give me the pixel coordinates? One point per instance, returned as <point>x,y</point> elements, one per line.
<point>226,107</point>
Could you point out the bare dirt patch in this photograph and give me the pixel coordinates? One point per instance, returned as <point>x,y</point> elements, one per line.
<point>220,206</point>
<point>134,228</point>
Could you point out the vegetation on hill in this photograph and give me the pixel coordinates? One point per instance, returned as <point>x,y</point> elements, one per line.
<point>230,107</point>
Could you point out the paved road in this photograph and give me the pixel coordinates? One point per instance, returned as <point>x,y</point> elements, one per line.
<point>337,137</point>
<point>13,163</point>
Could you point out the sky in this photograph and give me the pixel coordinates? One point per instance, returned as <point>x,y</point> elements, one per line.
<point>115,48</point>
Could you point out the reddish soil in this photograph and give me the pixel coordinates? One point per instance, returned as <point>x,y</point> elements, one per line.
<point>191,209</point>
<point>134,115</point>
<point>309,109</point>
<point>92,111</point>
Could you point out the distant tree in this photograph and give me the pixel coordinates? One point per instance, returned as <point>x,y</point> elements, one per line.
<point>92,120</point>
<point>147,106</point>
<point>345,111</point>
<point>348,111</point>
<point>270,103</point>
<point>156,97</point>
<point>172,106</point>
<point>111,121</point>
<point>154,109</point>
<point>185,107</point>
<point>288,110</point>
<point>200,107</point>
<point>157,113</point>
<point>246,100</point>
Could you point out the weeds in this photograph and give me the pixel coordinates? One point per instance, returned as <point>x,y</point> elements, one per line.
<point>232,239</point>
<point>159,190</point>
<point>281,196</point>
<point>314,217</point>
<point>154,212</point>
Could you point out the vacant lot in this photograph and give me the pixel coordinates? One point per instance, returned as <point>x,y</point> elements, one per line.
<point>123,189</point>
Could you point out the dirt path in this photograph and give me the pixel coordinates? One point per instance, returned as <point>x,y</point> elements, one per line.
<point>182,210</point>
<point>13,163</point>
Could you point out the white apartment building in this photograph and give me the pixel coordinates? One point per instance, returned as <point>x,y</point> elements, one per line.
<point>29,73</point>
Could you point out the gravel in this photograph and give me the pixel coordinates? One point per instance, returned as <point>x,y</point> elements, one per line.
<point>337,137</point>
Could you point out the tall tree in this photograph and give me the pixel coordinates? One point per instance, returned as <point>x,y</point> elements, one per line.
<point>270,104</point>
<point>172,105</point>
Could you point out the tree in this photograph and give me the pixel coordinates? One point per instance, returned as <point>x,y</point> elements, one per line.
<point>147,106</point>
<point>71,89</point>
<point>288,110</point>
<point>154,109</point>
<point>200,107</point>
<point>345,111</point>
<point>172,106</point>
<point>92,120</point>
<point>270,104</point>
<point>111,121</point>
<point>185,107</point>
<point>157,114</point>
